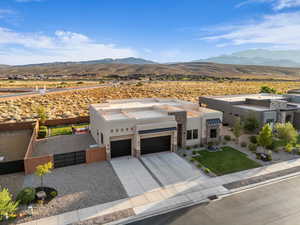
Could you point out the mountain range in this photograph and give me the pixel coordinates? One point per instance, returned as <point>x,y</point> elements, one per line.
<point>260,57</point>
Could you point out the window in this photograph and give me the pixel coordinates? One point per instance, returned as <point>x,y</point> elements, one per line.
<point>112,130</point>
<point>213,133</point>
<point>122,129</point>
<point>269,121</point>
<point>101,138</point>
<point>127,129</point>
<point>189,135</point>
<point>195,134</point>
<point>117,130</point>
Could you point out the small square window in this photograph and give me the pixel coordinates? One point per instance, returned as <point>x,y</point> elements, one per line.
<point>117,130</point>
<point>127,129</point>
<point>112,130</point>
<point>122,129</point>
<point>189,135</point>
<point>195,134</point>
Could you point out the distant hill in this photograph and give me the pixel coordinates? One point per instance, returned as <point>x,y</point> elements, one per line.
<point>129,60</point>
<point>283,58</point>
<point>199,69</point>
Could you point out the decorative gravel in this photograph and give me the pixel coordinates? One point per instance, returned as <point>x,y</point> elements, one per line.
<point>78,187</point>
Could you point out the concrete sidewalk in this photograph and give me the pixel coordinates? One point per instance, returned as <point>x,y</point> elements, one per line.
<point>165,198</point>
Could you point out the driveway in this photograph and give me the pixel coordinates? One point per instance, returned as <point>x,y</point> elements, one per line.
<point>169,168</point>
<point>78,186</point>
<point>133,175</point>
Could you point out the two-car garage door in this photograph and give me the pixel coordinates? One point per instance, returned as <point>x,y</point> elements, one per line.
<point>155,144</point>
<point>148,145</point>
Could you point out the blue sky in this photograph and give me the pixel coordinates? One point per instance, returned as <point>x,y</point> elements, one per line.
<point>33,31</point>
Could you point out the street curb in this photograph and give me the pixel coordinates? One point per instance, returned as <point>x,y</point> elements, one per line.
<point>203,201</point>
<point>263,183</point>
<point>160,211</point>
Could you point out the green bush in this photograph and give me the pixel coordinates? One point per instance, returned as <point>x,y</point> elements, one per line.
<point>7,206</point>
<point>252,147</point>
<point>194,152</point>
<point>269,156</point>
<point>244,144</point>
<point>210,144</point>
<point>289,148</point>
<point>184,155</point>
<point>253,139</point>
<point>207,170</point>
<point>188,147</point>
<point>53,194</point>
<point>26,196</point>
<point>43,132</point>
<point>227,137</point>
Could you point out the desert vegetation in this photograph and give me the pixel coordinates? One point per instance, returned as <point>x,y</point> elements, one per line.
<point>75,103</point>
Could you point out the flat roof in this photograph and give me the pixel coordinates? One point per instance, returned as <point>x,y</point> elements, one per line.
<point>147,108</point>
<point>240,98</point>
<point>253,107</point>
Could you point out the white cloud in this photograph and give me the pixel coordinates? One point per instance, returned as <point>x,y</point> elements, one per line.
<point>280,29</point>
<point>23,48</point>
<point>276,4</point>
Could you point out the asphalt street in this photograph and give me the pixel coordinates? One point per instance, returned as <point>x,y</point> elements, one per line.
<point>276,204</point>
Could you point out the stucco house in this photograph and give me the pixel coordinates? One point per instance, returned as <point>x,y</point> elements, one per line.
<point>267,108</point>
<point>140,126</point>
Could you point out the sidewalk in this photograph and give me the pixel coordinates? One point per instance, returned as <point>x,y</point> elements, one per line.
<point>184,194</point>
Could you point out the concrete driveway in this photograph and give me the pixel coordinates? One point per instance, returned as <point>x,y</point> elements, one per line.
<point>133,175</point>
<point>169,168</point>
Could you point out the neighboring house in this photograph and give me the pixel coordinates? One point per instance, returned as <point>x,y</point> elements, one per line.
<point>140,126</point>
<point>267,108</point>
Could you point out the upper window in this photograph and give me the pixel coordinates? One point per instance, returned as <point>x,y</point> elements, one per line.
<point>195,134</point>
<point>101,138</point>
<point>189,135</point>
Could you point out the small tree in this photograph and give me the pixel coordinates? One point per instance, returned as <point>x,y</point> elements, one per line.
<point>7,205</point>
<point>42,114</point>
<point>286,132</point>
<point>251,123</point>
<point>265,136</point>
<point>237,129</point>
<point>266,89</point>
<point>42,170</point>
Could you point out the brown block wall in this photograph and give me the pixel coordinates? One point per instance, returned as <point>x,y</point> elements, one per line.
<point>75,120</point>
<point>30,164</point>
<point>17,126</point>
<point>95,155</point>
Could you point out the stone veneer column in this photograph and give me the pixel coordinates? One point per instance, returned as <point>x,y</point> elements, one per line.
<point>108,155</point>
<point>174,142</point>
<point>137,144</point>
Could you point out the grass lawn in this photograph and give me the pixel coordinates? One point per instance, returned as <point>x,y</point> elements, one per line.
<point>64,130</point>
<point>228,160</point>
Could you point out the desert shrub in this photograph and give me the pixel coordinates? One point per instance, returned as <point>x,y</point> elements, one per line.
<point>53,193</point>
<point>139,84</point>
<point>184,155</point>
<point>188,147</point>
<point>272,146</point>
<point>210,144</point>
<point>80,82</point>
<point>26,196</point>
<point>244,144</point>
<point>43,131</point>
<point>207,170</point>
<point>266,89</point>
<point>253,139</point>
<point>194,152</point>
<point>227,137</point>
<point>269,156</point>
<point>252,147</point>
<point>199,165</point>
<point>288,148</point>
<point>7,206</point>
<point>192,160</point>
